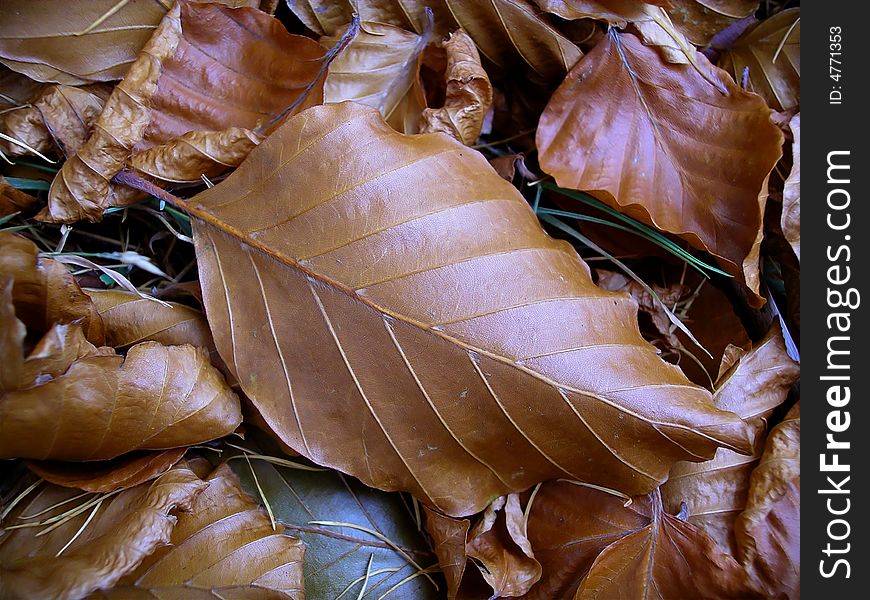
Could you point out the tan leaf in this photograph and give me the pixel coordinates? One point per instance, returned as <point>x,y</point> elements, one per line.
<point>380,68</point>
<point>45,293</point>
<point>469,93</point>
<point>187,158</point>
<point>499,546</point>
<point>47,44</point>
<point>768,532</point>
<point>508,33</point>
<point>715,492</point>
<point>668,558</point>
<point>130,319</point>
<point>224,546</point>
<point>771,52</point>
<point>119,532</point>
<point>791,192</point>
<point>615,12</point>
<point>673,151</point>
<point>324,290</point>
<point>110,475</point>
<point>13,200</point>
<point>185,79</point>
<point>96,42</point>
<point>700,20</point>
<point>73,401</point>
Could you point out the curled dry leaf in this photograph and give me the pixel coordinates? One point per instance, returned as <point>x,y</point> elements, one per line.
<point>449,537</point>
<point>689,160</point>
<point>110,475</point>
<point>187,158</point>
<point>206,68</point>
<point>380,68</point>
<point>715,491</point>
<point>224,546</point>
<point>496,545</point>
<point>59,116</point>
<point>469,93</point>
<point>72,401</point>
<point>13,200</point>
<point>499,547</point>
<point>507,32</point>
<point>45,293</point>
<point>771,52</point>
<point>791,192</point>
<point>768,531</point>
<point>519,369</point>
<point>700,20</point>
<point>119,532</point>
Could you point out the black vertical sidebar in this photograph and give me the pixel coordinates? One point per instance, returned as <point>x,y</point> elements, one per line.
<point>835,299</point>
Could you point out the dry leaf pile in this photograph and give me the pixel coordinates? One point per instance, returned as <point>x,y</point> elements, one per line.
<point>399,299</point>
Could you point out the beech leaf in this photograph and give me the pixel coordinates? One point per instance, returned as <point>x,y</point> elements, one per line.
<point>771,52</point>
<point>768,531</point>
<point>72,401</point>
<point>615,12</point>
<point>699,159</point>
<point>206,68</point>
<point>110,475</point>
<point>44,291</point>
<point>380,68</point>
<point>224,546</point>
<point>518,337</point>
<point>13,200</point>
<point>47,44</point>
<point>468,96</point>
<point>715,492</point>
<point>104,540</point>
<point>507,32</point>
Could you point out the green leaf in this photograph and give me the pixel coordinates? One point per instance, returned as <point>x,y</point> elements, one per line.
<point>336,557</point>
<point>28,184</point>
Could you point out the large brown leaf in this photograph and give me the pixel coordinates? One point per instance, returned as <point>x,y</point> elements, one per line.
<point>206,68</point>
<point>715,491</point>
<point>507,32</point>
<point>768,532</point>
<point>615,12</point>
<point>380,68</point>
<point>122,530</point>
<point>45,293</point>
<point>771,52</point>
<point>72,401</point>
<point>457,367</point>
<point>223,547</point>
<point>663,144</point>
